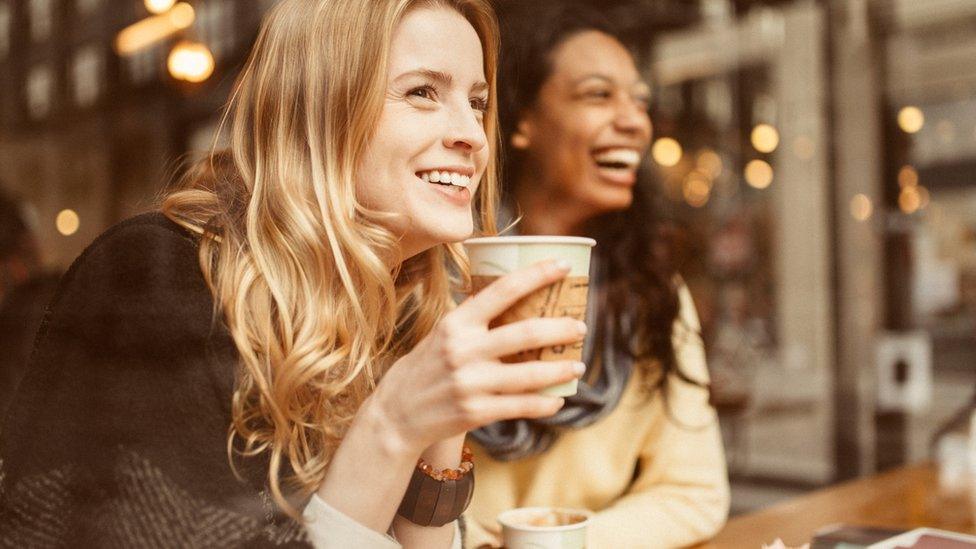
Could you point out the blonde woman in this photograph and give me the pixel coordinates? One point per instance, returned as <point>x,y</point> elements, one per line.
<point>281,341</point>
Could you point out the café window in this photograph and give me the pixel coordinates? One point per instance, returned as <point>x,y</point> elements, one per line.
<point>40,91</point>
<point>215,20</point>
<point>86,75</point>
<point>4,30</point>
<point>41,18</point>
<point>143,65</point>
<point>85,8</point>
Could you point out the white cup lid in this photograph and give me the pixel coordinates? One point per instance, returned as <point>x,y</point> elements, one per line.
<point>529,239</point>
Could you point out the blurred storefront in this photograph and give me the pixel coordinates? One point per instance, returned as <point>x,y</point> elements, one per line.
<point>816,158</point>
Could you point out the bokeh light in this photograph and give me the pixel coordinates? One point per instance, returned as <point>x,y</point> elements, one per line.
<point>67,222</point>
<point>909,200</point>
<point>861,207</point>
<point>907,177</point>
<point>911,119</point>
<point>696,189</point>
<point>759,174</point>
<point>765,138</point>
<point>190,61</point>
<point>159,6</point>
<point>709,163</point>
<point>666,151</point>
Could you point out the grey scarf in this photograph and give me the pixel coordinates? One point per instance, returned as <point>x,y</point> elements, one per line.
<point>519,438</point>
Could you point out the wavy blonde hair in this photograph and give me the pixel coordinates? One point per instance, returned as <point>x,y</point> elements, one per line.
<point>299,269</point>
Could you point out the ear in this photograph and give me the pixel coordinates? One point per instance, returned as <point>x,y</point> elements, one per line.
<point>521,138</point>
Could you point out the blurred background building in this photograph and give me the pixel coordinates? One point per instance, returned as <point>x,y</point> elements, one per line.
<point>816,160</point>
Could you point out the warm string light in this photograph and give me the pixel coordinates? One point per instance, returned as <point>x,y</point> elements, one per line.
<point>913,196</point>
<point>67,222</point>
<point>907,177</point>
<point>909,200</point>
<point>150,30</point>
<point>666,151</point>
<point>765,138</point>
<point>190,61</point>
<point>861,207</point>
<point>911,119</point>
<point>759,174</point>
<point>159,6</point>
<point>709,163</point>
<point>696,189</point>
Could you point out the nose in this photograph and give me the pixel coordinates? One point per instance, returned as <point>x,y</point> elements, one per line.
<point>632,119</point>
<point>465,131</point>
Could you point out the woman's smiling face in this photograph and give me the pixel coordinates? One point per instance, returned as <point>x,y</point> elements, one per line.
<point>584,137</point>
<point>429,150</point>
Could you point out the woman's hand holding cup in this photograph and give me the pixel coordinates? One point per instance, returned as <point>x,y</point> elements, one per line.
<point>454,380</point>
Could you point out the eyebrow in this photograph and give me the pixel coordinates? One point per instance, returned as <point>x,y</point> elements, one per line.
<point>639,83</point>
<point>440,77</point>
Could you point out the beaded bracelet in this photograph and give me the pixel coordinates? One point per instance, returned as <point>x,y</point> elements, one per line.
<point>437,497</point>
<point>467,463</point>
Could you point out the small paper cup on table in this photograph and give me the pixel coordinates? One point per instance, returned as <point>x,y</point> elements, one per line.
<point>519,531</point>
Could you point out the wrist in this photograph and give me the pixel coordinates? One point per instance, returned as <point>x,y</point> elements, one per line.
<point>445,453</point>
<point>383,425</point>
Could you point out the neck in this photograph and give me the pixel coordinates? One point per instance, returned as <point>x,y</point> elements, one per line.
<point>547,213</point>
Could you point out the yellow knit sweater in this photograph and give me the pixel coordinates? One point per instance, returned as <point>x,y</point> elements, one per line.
<point>654,481</point>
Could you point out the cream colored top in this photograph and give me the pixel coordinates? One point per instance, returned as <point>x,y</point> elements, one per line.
<point>329,528</point>
<point>680,495</point>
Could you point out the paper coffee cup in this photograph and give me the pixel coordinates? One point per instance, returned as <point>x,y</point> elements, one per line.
<point>544,528</point>
<point>497,256</point>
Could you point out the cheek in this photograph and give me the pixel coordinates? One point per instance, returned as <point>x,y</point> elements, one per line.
<point>387,161</point>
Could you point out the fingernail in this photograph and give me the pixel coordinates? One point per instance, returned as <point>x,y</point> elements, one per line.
<point>579,368</point>
<point>581,327</point>
<point>563,265</point>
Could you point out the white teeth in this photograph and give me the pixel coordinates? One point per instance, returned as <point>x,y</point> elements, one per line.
<point>450,178</point>
<point>629,157</point>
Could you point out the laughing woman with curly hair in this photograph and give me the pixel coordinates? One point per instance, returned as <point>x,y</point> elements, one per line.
<point>639,443</point>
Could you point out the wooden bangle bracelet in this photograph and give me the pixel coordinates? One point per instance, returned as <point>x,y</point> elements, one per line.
<point>436,498</point>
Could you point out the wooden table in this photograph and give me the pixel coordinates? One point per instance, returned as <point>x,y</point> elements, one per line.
<point>903,498</point>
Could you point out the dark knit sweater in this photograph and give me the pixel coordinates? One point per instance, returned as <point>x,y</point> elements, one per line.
<point>117,435</point>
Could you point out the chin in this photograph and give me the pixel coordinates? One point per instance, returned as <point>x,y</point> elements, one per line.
<point>450,234</point>
<point>613,201</point>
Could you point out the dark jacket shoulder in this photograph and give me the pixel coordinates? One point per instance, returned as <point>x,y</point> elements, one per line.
<point>137,288</point>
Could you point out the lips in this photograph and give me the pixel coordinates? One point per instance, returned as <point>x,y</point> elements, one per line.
<point>445,177</point>
<point>617,158</point>
<point>617,164</point>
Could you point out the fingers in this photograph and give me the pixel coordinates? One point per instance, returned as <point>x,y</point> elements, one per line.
<point>501,294</point>
<point>489,409</point>
<point>531,333</point>
<point>524,377</point>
